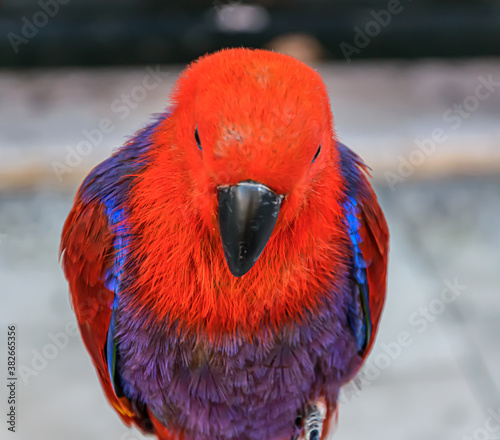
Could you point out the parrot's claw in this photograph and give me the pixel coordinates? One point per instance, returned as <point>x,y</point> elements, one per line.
<point>314,435</point>
<point>313,421</point>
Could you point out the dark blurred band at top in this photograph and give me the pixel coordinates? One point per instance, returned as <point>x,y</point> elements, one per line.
<point>115,32</point>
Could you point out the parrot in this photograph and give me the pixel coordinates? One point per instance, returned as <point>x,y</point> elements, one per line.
<point>227,265</point>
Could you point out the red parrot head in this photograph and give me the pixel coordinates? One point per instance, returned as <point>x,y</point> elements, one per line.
<point>254,131</point>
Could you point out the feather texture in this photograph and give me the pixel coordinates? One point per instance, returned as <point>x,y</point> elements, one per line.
<point>184,349</point>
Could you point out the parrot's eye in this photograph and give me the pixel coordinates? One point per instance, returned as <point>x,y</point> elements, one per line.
<point>317,154</point>
<point>197,138</point>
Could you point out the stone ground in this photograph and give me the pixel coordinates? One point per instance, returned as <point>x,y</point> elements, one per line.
<point>434,372</point>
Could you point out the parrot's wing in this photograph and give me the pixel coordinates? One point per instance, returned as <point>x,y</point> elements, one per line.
<point>369,236</point>
<point>94,244</point>
<point>374,247</point>
<point>87,253</point>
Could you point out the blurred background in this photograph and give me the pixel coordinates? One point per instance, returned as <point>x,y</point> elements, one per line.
<point>415,90</point>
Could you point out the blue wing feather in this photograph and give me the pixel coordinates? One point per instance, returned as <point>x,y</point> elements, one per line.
<point>359,316</point>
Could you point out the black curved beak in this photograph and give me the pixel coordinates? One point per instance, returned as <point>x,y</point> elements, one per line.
<point>247,215</point>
